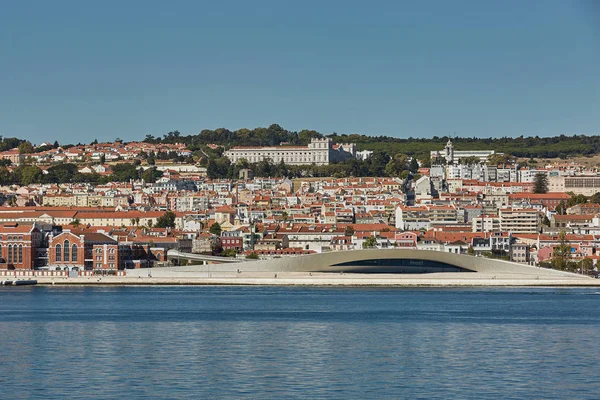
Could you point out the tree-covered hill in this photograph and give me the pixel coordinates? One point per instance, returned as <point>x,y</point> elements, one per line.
<point>542,147</point>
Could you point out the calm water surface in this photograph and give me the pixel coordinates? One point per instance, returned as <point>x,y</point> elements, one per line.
<point>271,342</point>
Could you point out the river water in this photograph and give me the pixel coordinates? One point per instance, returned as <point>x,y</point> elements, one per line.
<point>297,342</point>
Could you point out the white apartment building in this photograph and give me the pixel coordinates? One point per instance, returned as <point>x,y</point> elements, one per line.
<point>486,223</point>
<point>528,175</point>
<point>519,220</point>
<point>319,152</point>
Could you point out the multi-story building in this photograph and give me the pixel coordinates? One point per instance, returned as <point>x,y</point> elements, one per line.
<point>412,218</point>
<point>319,152</point>
<point>443,215</point>
<point>581,184</point>
<point>519,252</point>
<point>68,250</point>
<point>18,245</point>
<point>232,240</point>
<point>486,223</point>
<point>14,155</point>
<point>520,220</point>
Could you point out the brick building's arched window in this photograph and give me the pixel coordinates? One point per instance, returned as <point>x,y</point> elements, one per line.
<point>67,248</point>
<point>14,256</point>
<point>74,253</point>
<point>9,254</point>
<point>58,257</point>
<point>20,254</point>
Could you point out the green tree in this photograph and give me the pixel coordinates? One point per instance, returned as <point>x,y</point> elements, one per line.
<point>124,172</point>
<point>211,169</point>
<point>26,148</point>
<point>587,265</point>
<point>5,176</point>
<point>414,165</point>
<point>540,183</point>
<point>496,159</point>
<point>560,208</point>
<point>562,253</point>
<point>370,242</point>
<point>576,199</point>
<point>61,173</point>
<point>28,174</point>
<point>252,256</point>
<point>215,229</point>
<point>397,165</point>
<point>229,253</point>
<point>151,175</point>
<point>167,220</point>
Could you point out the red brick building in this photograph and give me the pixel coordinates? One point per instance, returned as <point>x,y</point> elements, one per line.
<point>19,243</point>
<point>88,250</point>
<point>232,243</point>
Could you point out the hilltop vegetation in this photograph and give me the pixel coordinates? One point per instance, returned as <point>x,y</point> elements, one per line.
<point>537,147</point>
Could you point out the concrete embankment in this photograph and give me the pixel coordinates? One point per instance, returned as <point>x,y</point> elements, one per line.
<point>323,279</point>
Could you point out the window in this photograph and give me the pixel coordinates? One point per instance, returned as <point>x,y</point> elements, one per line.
<point>98,265</point>
<point>9,253</point>
<point>74,253</point>
<point>20,254</point>
<point>67,246</point>
<point>58,249</point>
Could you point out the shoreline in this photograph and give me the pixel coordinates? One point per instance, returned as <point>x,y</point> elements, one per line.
<point>347,280</point>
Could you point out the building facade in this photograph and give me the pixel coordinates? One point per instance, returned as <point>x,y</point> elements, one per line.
<point>18,245</point>
<point>319,152</point>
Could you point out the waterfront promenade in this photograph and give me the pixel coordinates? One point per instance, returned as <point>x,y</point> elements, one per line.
<point>393,267</point>
<point>322,279</point>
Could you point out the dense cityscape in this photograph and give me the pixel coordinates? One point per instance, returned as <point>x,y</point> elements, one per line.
<point>299,199</point>
<point>112,206</point>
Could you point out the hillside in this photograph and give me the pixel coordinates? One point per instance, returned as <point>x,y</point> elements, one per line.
<point>539,147</point>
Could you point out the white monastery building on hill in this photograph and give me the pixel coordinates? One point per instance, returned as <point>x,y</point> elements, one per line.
<point>319,152</point>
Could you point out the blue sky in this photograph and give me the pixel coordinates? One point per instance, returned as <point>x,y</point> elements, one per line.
<point>79,70</point>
